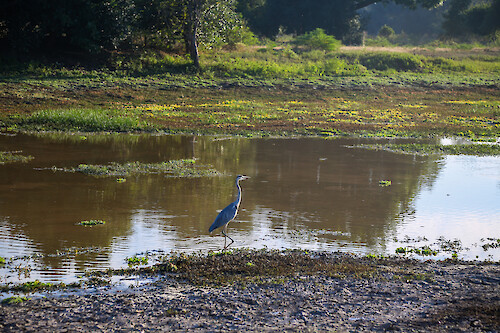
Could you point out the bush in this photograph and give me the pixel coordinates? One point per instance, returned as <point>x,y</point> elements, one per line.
<point>318,40</point>
<point>386,31</point>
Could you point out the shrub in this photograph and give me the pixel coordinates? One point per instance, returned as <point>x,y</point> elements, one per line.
<point>386,31</point>
<point>318,40</point>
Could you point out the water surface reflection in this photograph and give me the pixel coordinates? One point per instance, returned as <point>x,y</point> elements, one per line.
<point>304,193</point>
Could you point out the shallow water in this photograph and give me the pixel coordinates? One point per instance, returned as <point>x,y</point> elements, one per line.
<point>308,193</point>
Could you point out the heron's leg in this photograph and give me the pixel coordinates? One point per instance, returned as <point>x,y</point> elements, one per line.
<point>225,235</point>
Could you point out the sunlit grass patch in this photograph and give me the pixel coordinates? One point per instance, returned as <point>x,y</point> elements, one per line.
<point>174,168</point>
<point>14,156</point>
<point>85,120</point>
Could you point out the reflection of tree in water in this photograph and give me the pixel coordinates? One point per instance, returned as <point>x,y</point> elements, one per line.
<point>336,188</point>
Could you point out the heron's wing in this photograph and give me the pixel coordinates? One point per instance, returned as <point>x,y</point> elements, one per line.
<point>226,215</point>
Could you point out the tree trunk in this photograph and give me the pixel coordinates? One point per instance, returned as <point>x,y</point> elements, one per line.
<point>191,31</point>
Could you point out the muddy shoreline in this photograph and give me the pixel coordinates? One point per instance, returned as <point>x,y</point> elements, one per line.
<point>306,292</point>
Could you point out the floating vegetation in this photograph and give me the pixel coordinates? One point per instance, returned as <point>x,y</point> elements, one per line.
<point>14,156</point>
<point>492,244</point>
<point>91,222</point>
<point>132,261</point>
<point>174,168</point>
<point>423,251</point>
<point>385,183</point>
<point>430,149</point>
<point>2,261</point>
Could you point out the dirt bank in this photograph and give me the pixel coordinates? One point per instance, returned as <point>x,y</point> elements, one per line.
<point>322,292</point>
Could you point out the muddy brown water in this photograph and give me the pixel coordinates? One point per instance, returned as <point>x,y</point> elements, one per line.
<point>308,193</point>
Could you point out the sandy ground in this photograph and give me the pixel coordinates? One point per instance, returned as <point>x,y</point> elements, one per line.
<point>436,297</point>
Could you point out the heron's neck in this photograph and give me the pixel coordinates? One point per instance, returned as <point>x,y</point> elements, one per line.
<point>238,199</point>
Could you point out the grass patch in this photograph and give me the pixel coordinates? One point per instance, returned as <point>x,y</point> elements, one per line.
<point>14,300</point>
<point>14,156</point>
<point>430,149</point>
<point>174,168</point>
<point>83,120</point>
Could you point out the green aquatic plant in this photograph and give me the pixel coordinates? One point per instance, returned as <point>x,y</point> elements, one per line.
<point>385,183</point>
<point>91,222</point>
<point>2,261</point>
<point>14,156</point>
<point>35,285</point>
<point>135,260</point>
<point>401,250</point>
<point>174,168</point>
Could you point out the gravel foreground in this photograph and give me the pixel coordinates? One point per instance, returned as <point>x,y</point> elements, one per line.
<point>434,296</point>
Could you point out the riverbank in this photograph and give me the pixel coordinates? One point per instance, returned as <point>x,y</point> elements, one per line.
<point>352,92</point>
<point>278,291</point>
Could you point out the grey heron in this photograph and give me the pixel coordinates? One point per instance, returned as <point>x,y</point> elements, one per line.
<point>228,214</point>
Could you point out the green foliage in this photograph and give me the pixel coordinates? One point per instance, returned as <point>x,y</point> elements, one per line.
<point>386,31</point>
<point>318,40</point>
<point>466,17</point>
<point>135,261</point>
<point>2,261</point>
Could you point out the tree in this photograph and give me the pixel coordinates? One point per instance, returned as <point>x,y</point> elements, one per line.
<point>207,21</point>
<point>465,17</point>
<point>62,27</point>
<point>193,21</point>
